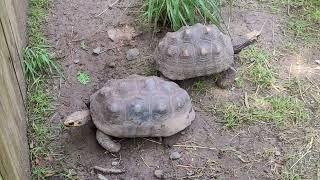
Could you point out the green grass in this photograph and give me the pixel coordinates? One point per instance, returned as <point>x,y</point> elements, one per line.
<point>278,109</point>
<point>151,72</point>
<point>38,66</point>
<point>304,17</point>
<point>36,59</point>
<point>199,86</point>
<point>175,14</point>
<point>258,71</point>
<point>83,78</point>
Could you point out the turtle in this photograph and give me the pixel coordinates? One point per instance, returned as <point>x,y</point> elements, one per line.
<point>136,106</point>
<point>198,50</point>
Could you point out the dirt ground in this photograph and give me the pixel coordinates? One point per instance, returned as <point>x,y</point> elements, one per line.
<point>209,150</point>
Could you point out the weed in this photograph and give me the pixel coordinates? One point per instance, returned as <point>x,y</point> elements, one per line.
<point>83,78</point>
<point>199,86</point>
<point>258,72</point>
<point>83,46</point>
<point>38,62</point>
<point>151,72</point>
<point>176,14</point>
<point>278,109</point>
<point>41,173</point>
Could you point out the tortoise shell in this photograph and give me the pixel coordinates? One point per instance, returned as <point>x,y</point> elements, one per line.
<point>141,106</point>
<point>194,51</point>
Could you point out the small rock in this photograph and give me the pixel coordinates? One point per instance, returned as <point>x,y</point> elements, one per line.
<point>112,64</point>
<point>76,61</point>
<point>125,33</point>
<point>175,156</point>
<point>277,153</point>
<point>132,54</point>
<point>158,174</point>
<point>190,173</point>
<point>96,51</point>
<point>317,61</point>
<point>183,132</point>
<point>102,177</point>
<point>115,163</point>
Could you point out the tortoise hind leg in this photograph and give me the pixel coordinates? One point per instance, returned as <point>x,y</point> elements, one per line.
<point>227,78</point>
<point>106,142</point>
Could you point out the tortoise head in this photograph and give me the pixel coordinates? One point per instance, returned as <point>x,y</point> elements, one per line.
<point>77,119</point>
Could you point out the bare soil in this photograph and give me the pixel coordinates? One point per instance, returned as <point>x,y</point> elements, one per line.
<point>209,150</point>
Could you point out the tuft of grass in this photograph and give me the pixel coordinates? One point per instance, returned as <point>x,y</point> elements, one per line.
<point>151,72</point>
<point>278,109</point>
<point>259,71</point>
<point>83,77</point>
<point>199,86</point>
<point>36,59</point>
<point>176,14</point>
<point>41,173</point>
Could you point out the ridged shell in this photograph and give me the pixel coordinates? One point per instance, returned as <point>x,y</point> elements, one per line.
<point>141,106</point>
<point>194,51</point>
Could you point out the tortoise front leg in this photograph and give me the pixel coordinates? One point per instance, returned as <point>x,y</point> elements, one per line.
<point>227,78</point>
<point>106,142</point>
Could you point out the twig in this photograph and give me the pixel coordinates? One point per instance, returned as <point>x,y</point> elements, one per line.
<point>111,5</point>
<point>109,170</point>
<point>152,141</point>
<point>191,146</point>
<point>144,162</point>
<point>246,102</point>
<point>303,155</point>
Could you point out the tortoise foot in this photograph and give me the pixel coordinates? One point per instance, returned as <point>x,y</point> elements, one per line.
<point>106,142</point>
<point>227,78</point>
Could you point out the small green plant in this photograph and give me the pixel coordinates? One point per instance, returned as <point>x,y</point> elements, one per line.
<point>278,109</point>
<point>83,78</point>
<point>258,72</point>
<point>176,13</point>
<point>151,72</point>
<point>41,173</point>
<point>83,46</point>
<point>199,86</point>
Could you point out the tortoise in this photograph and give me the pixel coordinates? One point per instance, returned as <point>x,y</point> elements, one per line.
<point>198,50</point>
<point>136,106</point>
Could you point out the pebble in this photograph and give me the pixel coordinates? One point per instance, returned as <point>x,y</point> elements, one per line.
<point>112,64</point>
<point>102,177</point>
<point>175,156</point>
<point>132,54</point>
<point>97,51</point>
<point>277,153</point>
<point>76,61</point>
<point>317,61</point>
<point>115,163</point>
<point>158,174</point>
<point>190,173</point>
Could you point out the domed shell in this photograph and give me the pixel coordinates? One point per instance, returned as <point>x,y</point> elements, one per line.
<point>141,107</point>
<point>194,51</point>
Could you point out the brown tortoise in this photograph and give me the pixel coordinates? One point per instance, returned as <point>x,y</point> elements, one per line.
<point>195,51</point>
<point>137,106</point>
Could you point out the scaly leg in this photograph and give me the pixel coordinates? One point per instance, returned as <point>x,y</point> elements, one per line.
<point>106,142</point>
